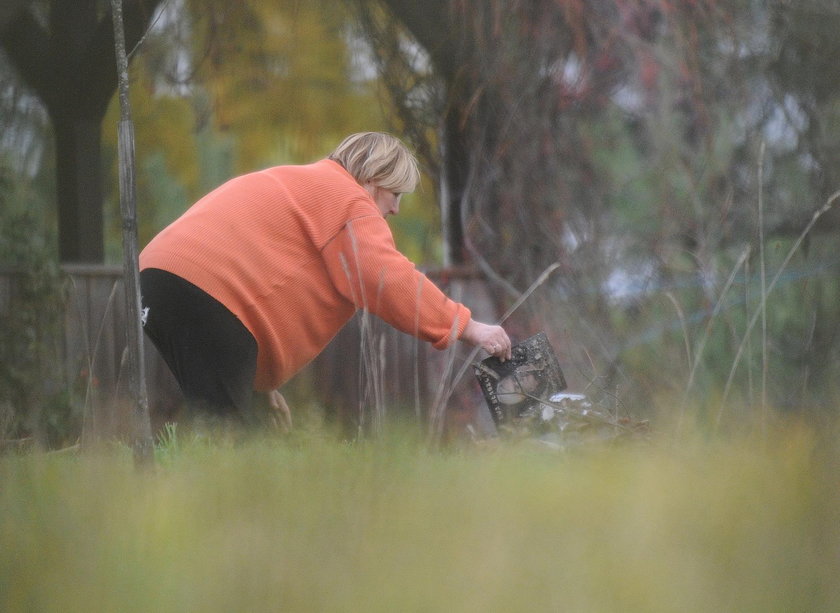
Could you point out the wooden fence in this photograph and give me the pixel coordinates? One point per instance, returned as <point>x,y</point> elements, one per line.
<point>355,381</point>
<point>89,348</point>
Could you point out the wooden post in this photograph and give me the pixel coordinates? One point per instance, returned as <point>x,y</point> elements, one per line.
<point>142,444</point>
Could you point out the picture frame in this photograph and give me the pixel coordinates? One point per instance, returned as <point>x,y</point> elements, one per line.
<point>515,388</point>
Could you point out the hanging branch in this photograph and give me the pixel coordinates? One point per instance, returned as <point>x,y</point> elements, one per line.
<point>142,443</point>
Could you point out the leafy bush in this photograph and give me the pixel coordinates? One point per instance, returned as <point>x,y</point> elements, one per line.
<point>34,401</point>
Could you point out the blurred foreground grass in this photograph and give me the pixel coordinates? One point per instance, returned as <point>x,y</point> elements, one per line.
<point>730,523</point>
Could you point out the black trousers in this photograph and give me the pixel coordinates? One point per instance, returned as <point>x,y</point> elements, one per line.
<point>209,350</point>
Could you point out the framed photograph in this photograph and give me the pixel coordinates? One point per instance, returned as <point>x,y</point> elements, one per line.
<point>514,388</point>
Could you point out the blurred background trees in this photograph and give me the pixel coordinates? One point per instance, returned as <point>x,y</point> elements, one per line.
<point>624,139</point>
<point>646,145</point>
<point>64,54</point>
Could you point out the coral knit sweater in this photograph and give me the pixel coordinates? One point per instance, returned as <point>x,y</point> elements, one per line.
<point>293,252</point>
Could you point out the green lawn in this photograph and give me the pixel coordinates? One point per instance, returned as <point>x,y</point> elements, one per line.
<point>306,523</point>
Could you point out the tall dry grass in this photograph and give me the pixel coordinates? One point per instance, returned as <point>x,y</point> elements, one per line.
<point>697,522</point>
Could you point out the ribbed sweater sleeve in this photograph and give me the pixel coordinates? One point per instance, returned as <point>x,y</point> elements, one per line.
<point>367,269</point>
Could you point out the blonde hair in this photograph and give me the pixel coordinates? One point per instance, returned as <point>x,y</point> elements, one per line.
<point>378,158</point>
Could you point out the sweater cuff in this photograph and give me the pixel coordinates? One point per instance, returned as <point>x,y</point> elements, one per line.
<point>459,324</point>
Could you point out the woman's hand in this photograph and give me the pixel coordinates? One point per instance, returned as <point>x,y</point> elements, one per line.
<point>493,339</point>
<point>282,412</point>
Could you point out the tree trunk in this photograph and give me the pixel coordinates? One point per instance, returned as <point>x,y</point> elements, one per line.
<point>79,189</point>
<point>69,63</point>
<point>453,185</point>
<point>447,52</point>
